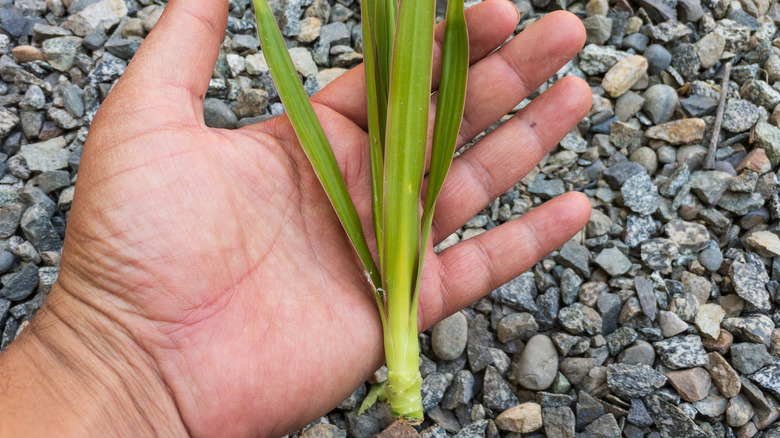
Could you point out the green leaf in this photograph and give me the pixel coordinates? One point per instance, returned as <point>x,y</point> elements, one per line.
<point>311,135</point>
<point>375,120</point>
<point>449,115</point>
<point>451,101</point>
<point>405,149</point>
<point>377,392</point>
<point>384,28</point>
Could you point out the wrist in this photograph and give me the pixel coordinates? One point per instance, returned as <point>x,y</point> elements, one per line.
<point>75,371</point>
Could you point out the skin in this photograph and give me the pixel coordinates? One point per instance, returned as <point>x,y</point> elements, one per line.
<point>206,286</point>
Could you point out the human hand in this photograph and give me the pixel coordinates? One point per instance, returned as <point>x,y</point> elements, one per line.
<point>207,286</point>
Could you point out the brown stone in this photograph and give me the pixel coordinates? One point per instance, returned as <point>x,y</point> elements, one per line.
<point>398,430</point>
<point>524,418</point>
<point>700,287</point>
<point>309,30</point>
<point>692,384</point>
<point>683,131</point>
<point>732,304</point>
<point>756,160</point>
<point>774,119</point>
<point>720,345</point>
<point>774,343</point>
<point>764,243</point>
<point>251,103</point>
<point>322,431</point>
<point>623,75</point>
<point>747,431</point>
<point>723,376</point>
<point>27,53</point>
<point>739,411</point>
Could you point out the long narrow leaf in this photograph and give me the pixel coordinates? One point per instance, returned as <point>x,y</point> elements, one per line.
<point>375,135</point>
<point>451,101</point>
<point>384,37</point>
<point>310,133</point>
<point>405,148</point>
<point>449,114</point>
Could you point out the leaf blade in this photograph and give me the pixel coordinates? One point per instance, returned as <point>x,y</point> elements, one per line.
<point>451,102</point>
<point>449,116</point>
<point>375,120</point>
<point>310,134</point>
<point>405,149</point>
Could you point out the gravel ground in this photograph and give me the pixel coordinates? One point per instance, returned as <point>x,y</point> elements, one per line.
<point>658,320</point>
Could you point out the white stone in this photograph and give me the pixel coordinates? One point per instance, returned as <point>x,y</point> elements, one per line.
<point>105,13</point>
<point>764,243</point>
<point>708,319</point>
<point>8,121</point>
<point>452,239</point>
<point>329,75</point>
<point>236,63</point>
<point>255,64</point>
<point>303,61</point>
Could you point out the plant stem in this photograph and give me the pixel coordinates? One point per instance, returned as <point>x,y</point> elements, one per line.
<point>404,381</point>
<point>405,149</point>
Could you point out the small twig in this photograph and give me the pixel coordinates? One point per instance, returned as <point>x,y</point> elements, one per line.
<point>735,139</point>
<point>709,160</point>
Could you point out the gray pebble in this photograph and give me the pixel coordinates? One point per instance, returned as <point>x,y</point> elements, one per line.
<point>698,105</point>
<point>638,230</point>
<point>641,353</point>
<point>640,194</point>
<point>449,336</point>
<point>217,114</point>
<point>638,414</point>
<point>575,256</point>
<point>6,261</point>
<point>21,284</point>
<point>432,390</point>
<point>739,115</point>
<point>682,352</point>
<point>517,326</point>
<point>633,381</point>
<point>362,426</point>
<point>479,344</point>
<point>496,392</point>
<point>636,41</point>
<point>660,103</point>
<point>460,391</point>
<point>711,258</point>
<point>658,58</point>
<point>579,318</point>
<point>354,400</point>
<point>598,29</point>
<point>747,358</point>
<point>538,364</point>
<point>646,157</point>
<point>617,174</point>
<point>547,189</point>
<point>609,306</point>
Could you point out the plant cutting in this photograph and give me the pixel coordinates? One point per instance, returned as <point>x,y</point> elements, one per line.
<point>398,60</point>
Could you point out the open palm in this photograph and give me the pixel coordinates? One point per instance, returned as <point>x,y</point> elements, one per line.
<point>219,254</point>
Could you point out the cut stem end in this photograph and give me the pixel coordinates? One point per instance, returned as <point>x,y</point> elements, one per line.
<point>403,393</point>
